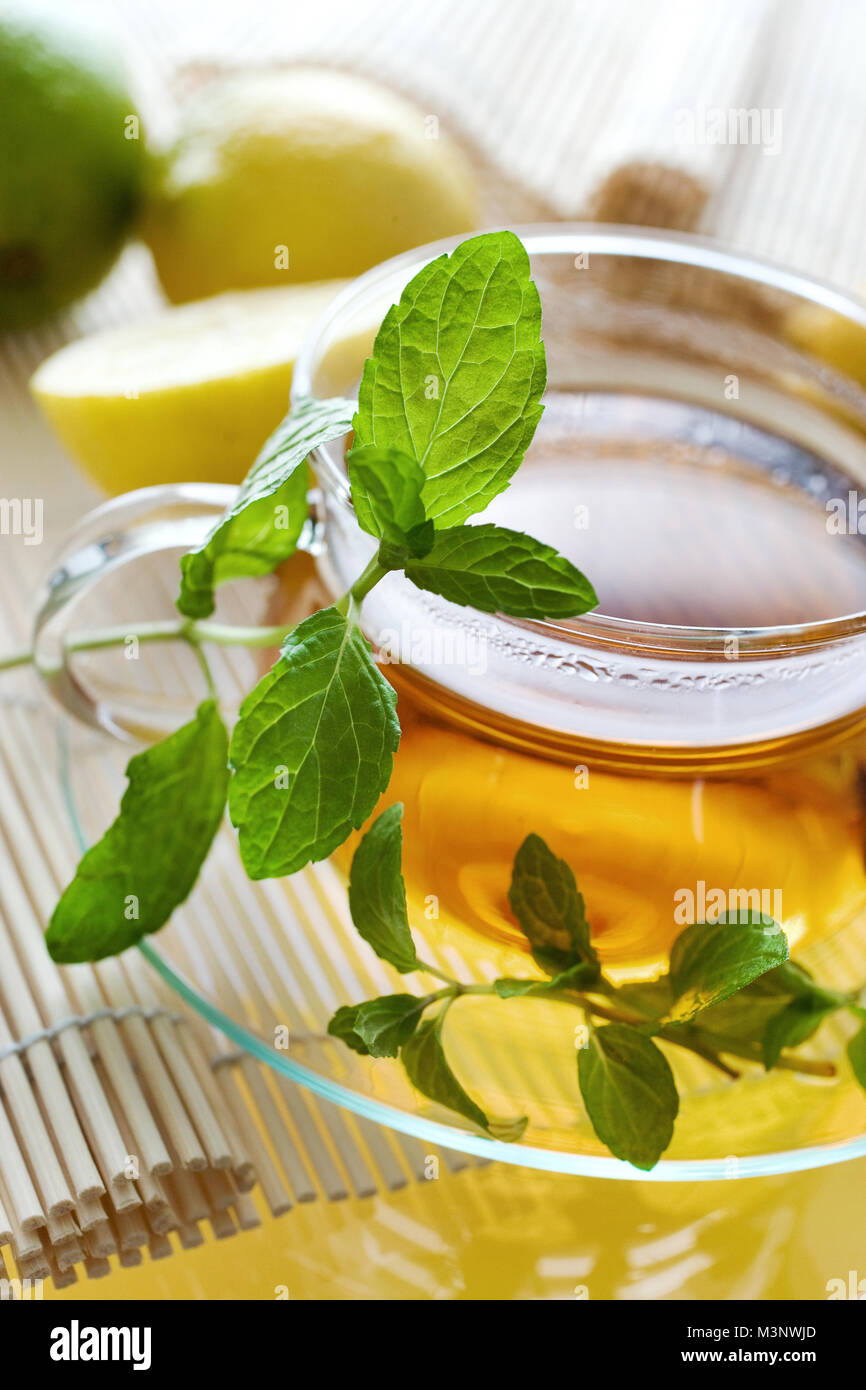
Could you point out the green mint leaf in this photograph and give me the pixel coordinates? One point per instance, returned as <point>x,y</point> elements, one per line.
<point>313,748</point>
<point>380,1027</point>
<point>423,1056</point>
<point>793,981</point>
<point>576,977</point>
<point>457,374</point>
<point>795,1023</point>
<point>629,1093</point>
<point>712,960</point>
<point>377,893</point>
<point>857,1055</point>
<point>551,913</point>
<point>264,523</point>
<point>129,883</point>
<point>502,571</point>
<point>746,1015</point>
<point>386,494</point>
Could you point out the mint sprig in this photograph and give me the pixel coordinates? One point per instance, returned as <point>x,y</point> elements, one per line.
<point>624,1075</point>
<point>448,404</point>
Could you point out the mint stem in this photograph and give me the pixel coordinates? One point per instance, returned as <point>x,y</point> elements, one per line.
<point>205,666</point>
<point>366,581</point>
<point>171,630</point>
<point>704,1046</point>
<point>9,663</point>
<point>440,975</point>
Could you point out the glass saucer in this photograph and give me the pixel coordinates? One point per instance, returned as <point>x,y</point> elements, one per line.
<point>267,963</point>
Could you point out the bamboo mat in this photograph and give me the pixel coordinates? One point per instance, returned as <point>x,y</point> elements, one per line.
<point>117,1132</point>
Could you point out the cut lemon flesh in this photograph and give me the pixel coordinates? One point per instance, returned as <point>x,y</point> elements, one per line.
<point>187,395</point>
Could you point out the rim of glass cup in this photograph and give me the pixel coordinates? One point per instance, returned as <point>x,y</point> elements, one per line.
<point>570,239</point>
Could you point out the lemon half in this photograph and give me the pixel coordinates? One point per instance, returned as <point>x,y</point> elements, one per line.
<point>188,395</point>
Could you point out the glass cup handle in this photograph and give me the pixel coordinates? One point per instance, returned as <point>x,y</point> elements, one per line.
<point>171,517</point>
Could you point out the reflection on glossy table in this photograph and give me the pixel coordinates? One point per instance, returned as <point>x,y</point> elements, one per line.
<point>508,1233</point>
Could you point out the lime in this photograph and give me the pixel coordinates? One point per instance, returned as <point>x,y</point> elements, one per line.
<point>71,161</point>
<point>307,174</point>
<point>187,395</point>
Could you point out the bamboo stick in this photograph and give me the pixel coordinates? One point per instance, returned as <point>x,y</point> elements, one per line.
<point>56,1105</point>
<point>222,1224</point>
<point>66,1256</point>
<point>159,1246</point>
<point>187,1197</point>
<point>61,1228</point>
<point>20,1196</point>
<point>275,1194</point>
<point>246,1212</point>
<point>34,1266</point>
<point>89,1211</point>
<point>149,1187</point>
<point>5,1226</point>
<point>190,1236</point>
<point>120,1192</point>
<point>100,1241</point>
<point>130,1230</point>
<point>286,1151</point>
<point>26,1245</point>
<point>116,988</point>
<point>55,1006</point>
<point>233,964</point>
<point>163,1218</point>
<point>243,1170</point>
<point>219,1189</point>
<point>44,1164</point>
<point>207,1125</point>
<point>160,1085</point>
<point>61,1278</point>
<point>346,1143</point>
